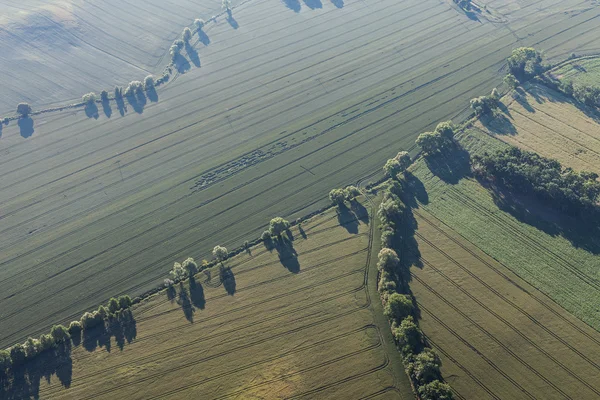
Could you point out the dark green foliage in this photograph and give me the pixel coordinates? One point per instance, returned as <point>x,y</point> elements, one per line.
<point>529,173</point>
<point>409,336</point>
<point>113,305</point>
<point>510,81</point>
<point>5,362</point>
<point>484,105</point>
<point>588,95</point>
<point>59,333</point>
<point>437,141</point>
<point>435,390</point>
<point>398,307</point>
<point>17,354</point>
<point>424,367</point>
<point>525,63</point>
<point>47,342</point>
<point>124,302</point>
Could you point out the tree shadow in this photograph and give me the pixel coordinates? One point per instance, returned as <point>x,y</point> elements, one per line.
<point>26,126</point>
<point>228,279</point>
<point>171,293</point>
<point>192,54</point>
<point>416,189</point>
<point>137,101</point>
<point>338,3</point>
<point>293,5</point>
<point>582,231</point>
<point>183,299</point>
<point>313,4</point>
<point>91,110</point>
<point>197,294</point>
<point>234,24</point>
<point>96,337</point>
<point>347,219</point>
<point>521,98</point>
<point>302,232</point>
<point>152,95</point>
<point>289,235</point>
<point>23,381</point>
<point>106,108</point>
<point>498,124</point>
<point>450,165</point>
<point>360,211</point>
<point>269,244</point>
<point>181,64</point>
<point>121,106</point>
<point>287,255</point>
<point>203,37</point>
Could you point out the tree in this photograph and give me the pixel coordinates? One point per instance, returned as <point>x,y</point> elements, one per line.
<point>424,367</point>
<point>46,342</point>
<point>525,62</point>
<point>388,260</point>
<point>390,210</point>
<point>190,266</point>
<point>277,226</point>
<point>495,94</point>
<point>398,307</point>
<point>102,312</point>
<point>409,336</point>
<point>226,5</point>
<point>484,105</point>
<point>149,82</point>
<point>352,192</point>
<point>174,51</point>
<point>113,305</point>
<point>5,362</point>
<point>430,142</point>
<point>118,92</point>
<point>90,320</point>
<point>23,109</point>
<point>74,328</point>
<point>337,196</point>
<point>435,390</point>
<point>220,253</point>
<point>187,34</point>
<point>266,236</point>
<point>89,98</point>
<point>31,347</point>
<point>179,43</point>
<point>104,96</point>
<point>403,159</point>
<point>445,130</point>
<point>178,272</point>
<point>124,302</point>
<point>59,333</point>
<point>17,354</point>
<point>510,81</point>
<point>199,22</point>
<point>392,167</point>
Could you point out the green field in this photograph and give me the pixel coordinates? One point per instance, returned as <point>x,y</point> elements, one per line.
<point>585,71</point>
<point>282,109</point>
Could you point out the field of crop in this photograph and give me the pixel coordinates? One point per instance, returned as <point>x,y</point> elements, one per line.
<point>559,255</point>
<point>585,71</point>
<point>277,328</point>
<point>290,100</point>
<point>546,122</point>
<point>499,337</point>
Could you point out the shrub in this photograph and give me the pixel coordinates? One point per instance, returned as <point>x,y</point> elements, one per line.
<point>337,196</point>
<point>352,192</point>
<point>226,5</point>
<point>174,52</point>
<point>133,88</point>
<point>179,43</point>
<point>23,109</point>
<point>278,225</point>
<point>390,210</point>
<point>398,307</point>
<point>435,390</point>
<point>387,237</point>
<point>392,167</point>
<point>588,95</point>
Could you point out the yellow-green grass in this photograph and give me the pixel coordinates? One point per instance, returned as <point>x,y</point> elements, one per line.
<point>281,110</point>
<point>584,71</point>
<point>281,334</point>
<point>498,336</point>
<point>557,254</point>
<point>546,122</point>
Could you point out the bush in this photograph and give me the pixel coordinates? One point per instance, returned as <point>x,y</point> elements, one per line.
<point>118,92</point>
<point>133,88</point>
<point>90,320</point>
<point>435,390</point>
<point>178,272</point>
<point>390,210</point>
<point>113,305</point>
<point>588,95</point>
<point>398,307</point>
<point>351,192</point>
<point>23,109</point>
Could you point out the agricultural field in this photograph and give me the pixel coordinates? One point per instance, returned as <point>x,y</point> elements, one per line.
<point>584,71</point>
<point>278,104</point>
<point>279,326</point>
<point>546,122</point>
<point>498,337</point>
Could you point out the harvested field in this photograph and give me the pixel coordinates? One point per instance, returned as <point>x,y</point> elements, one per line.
<point>287,101</point>
<point>584,71</point>
<point>270,331</point>
<point>546,122</point>
<point>498,337</point>
<point>558,255</point>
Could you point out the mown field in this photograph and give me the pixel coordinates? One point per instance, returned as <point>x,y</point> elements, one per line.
<point>289,101</point>
<point>278,327</point>
<point>498,337</point>
<point>585,71</point>
<point>546,122</point>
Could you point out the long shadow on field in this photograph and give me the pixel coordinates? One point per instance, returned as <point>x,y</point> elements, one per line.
<point>288,257</point>
<point>26,126</point>
<point>451,165</point>
<point>137,101</point>
<point>184,300</point>
<point>313,4</point>
<point>203,37</point>
<point>293,5</point>
<point>121,105</point>
<point>197,294</point>
<point>106,108</point>
<point>499,125</point>
<point>91,110</point>
<point>347,219</point>
<point>181,64</point>
<point>583,231</point>
<point>192,54</point>
<point>360,211</point>
<point>234,24</point>
<point>152,94</point>
<point>122,326</point>
<point>228,279</point>
<point>23,381</point>
<point>338,3</point>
